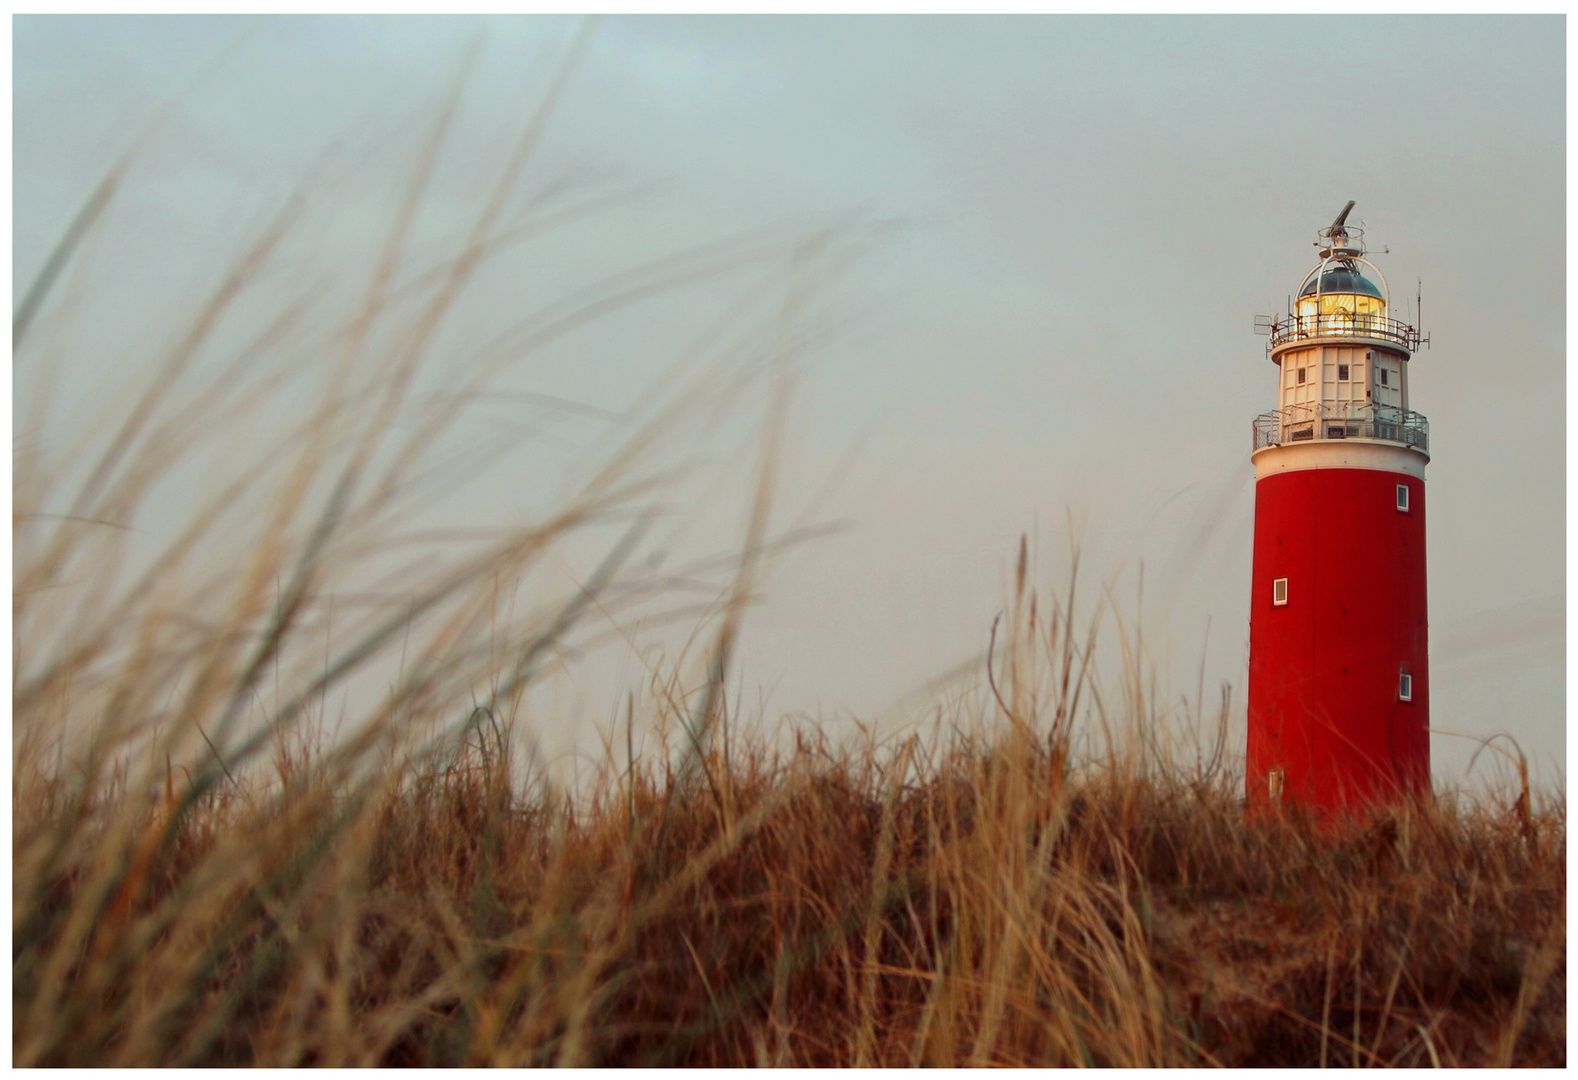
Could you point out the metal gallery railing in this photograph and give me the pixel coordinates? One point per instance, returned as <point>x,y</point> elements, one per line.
<point>1342,420</point>
<point>1289,328</point>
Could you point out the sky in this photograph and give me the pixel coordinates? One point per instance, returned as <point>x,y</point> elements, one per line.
<point>1062,228</point>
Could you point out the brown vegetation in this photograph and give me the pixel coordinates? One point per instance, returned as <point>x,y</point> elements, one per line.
<point>966,905</point>
<point>952,900</point>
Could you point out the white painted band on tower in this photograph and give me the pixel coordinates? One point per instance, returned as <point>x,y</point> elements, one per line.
<point>1340,454</point>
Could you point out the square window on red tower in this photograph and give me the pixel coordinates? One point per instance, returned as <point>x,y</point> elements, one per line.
<point>1405,687</point>
<point>1279,592</point>
<point>1402,497</point>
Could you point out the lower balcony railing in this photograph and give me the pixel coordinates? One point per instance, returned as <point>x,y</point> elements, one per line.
<point>1342,420</point>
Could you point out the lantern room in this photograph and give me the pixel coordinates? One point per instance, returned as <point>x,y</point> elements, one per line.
<point>1340,291</point>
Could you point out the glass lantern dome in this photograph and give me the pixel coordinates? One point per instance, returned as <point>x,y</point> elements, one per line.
<point>1340,290</point>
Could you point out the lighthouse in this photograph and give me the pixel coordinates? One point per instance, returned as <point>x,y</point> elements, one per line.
<point>1339,680</point>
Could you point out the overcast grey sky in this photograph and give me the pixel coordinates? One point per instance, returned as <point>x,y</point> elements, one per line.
<point>1094,210</point>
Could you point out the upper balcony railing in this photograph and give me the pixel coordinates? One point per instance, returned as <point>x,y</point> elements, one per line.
<point>1342,420</point>
<point>1290,328</point>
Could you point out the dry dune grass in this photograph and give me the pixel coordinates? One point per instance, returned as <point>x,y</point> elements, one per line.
<point>208,871</point>
<point>974,904</point>
<point>994,900</point>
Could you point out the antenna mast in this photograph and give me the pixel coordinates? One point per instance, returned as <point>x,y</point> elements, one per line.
<point>1337,242</point>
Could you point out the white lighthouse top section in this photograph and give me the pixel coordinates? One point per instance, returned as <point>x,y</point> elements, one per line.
<point>1342,359</point>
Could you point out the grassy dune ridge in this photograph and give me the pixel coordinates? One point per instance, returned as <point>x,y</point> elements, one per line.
<point>212,866</point>
<point>967,901</point>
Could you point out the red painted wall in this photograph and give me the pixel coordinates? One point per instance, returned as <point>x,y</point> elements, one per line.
<point>1323,669</point>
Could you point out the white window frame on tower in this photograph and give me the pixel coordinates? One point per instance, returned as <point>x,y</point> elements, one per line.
<point>1405,686</point>
<point>1402,498</point>
<point>1279,592</point>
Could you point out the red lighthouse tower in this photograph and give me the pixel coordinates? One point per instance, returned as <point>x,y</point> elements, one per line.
<point>1339,684</point>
